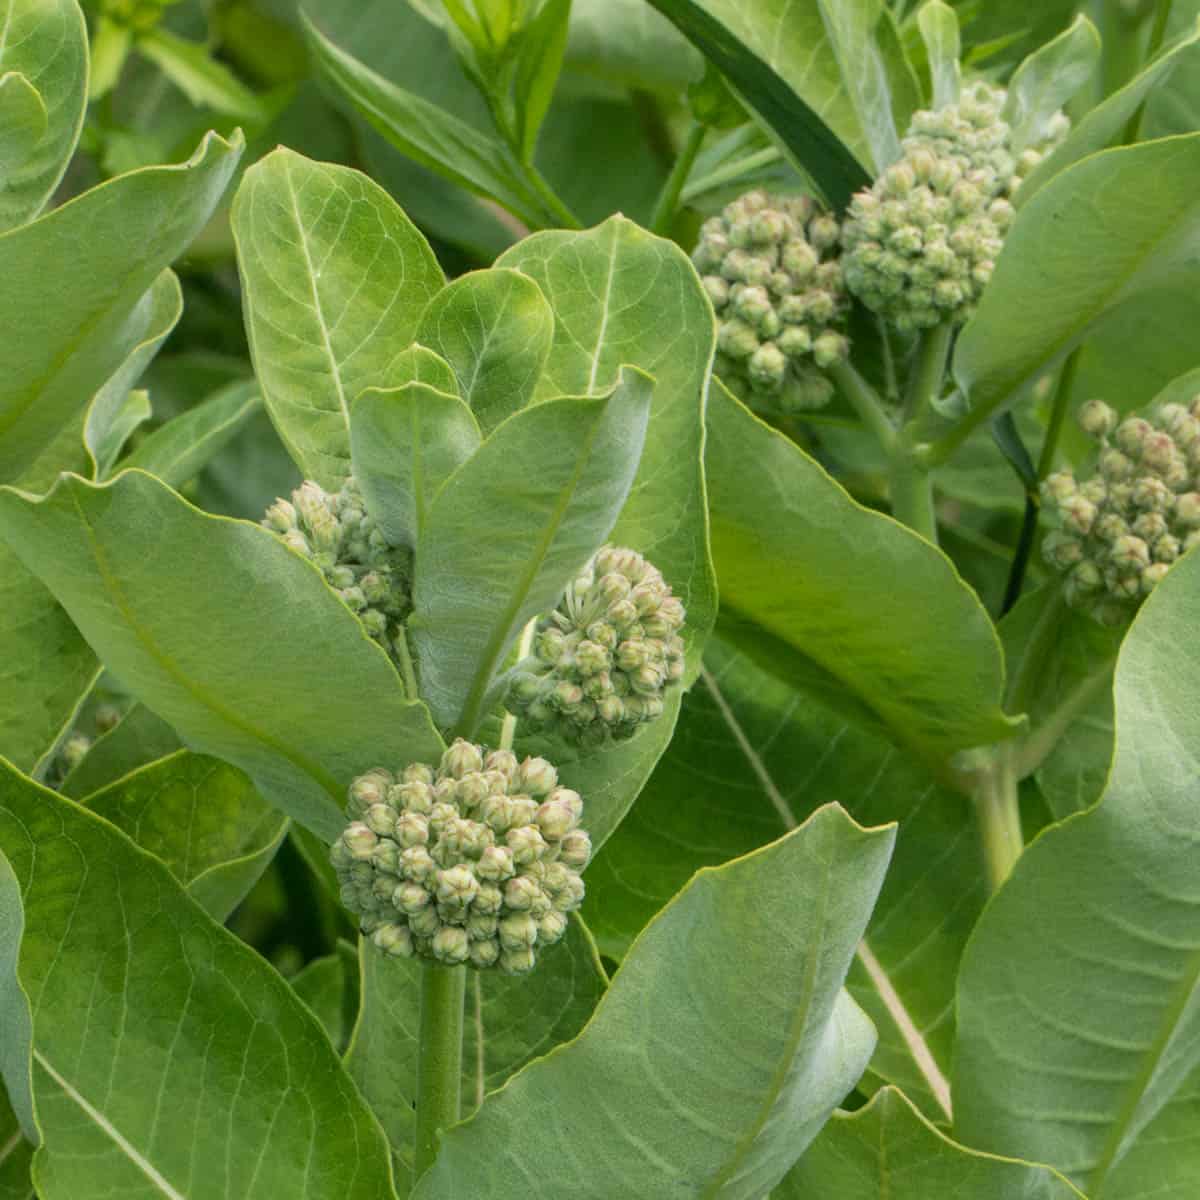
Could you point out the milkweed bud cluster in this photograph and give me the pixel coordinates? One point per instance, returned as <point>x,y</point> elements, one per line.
<point>338,534</point>
<point>1118,532</point>
<point>477,861</point>
<point>922,243</point>
<point>770,267</point>
<point>603,659</point>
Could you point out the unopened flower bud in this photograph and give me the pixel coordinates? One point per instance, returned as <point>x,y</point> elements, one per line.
<point>394,940</point>
<point>451,945</point>
<point>1097,419</point>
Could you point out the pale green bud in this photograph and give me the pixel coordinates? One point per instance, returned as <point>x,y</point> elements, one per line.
<point>536,776</point>
<point>575,849</point>
<point>417,865</point>
<point>380,819</point>
<point>451,945</point>
<point>1097,419</point>
<point>551,927</point>
<point>425,923</point>
<point>462,756</point>
<point>394,940</point>
<point>517,931</point>
<point>526,843</point>
<point>521,892</point>
<point>1153,575</point>
<point>411,898</point>
<point>1130,553</point>
<point>495,864</point>
<point>359,840</point>
<point>1187,510</point>
<point>1131,433</point>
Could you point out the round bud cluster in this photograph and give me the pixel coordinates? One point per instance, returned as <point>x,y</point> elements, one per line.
<point>770,267</point>
<point>337,533</point>
<point>603,659</point>
<point>1118,532</point>
<point>475,862</point>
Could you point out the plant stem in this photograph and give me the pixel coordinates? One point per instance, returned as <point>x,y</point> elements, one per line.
<point>999,815</point>
<point>731,172</point>
<point>1028,674</point>
<point>550,199</point>
<point>509,728</point>
<point>926,381</point>
<point>866,402</point>
<point>400,641</point>
<point>439,1059</point>
<point>912,495</point>
<point>1058,412</point>
<point>667,204</point>
<point>1037,747</point>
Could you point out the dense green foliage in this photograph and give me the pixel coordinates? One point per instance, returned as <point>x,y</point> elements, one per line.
<point>594,599</point>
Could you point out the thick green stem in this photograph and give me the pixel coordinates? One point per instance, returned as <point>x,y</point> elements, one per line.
<point>912,495</point>
<point>439,1059</point>
<point>926,382</point>
<point>999,816</point>
<point>667,205</point>
<point>1038,746</point>
<point>400,641</point>
<point>866,402</point>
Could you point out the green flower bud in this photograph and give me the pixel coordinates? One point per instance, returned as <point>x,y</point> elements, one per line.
<point>1166,549</point>
<point>451,945</point>
<point>526,843</point>
<point>460,758</point>
<point>1131,433</point>
<point>575,849</point>
<point>551,927</point>
<point>1187,510</point>
<point>360,841</point>
<point>1130,553</point>
<point>1097,419</point>
<point>517,962</point>
<point>394,940</point>
<point>517,931</point>
<point>1152,576</point>
<point>425,923</point>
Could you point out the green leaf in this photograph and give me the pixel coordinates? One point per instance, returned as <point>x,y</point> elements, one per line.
<point>16,1025</point>
<point>203,819</point>
<point>872,605</point>
<point>138,738</point>
<point>543,43</point>
<point>16,1153</point>
<point>888,1151</point>
<point>1047,79</point>
<point>329,986</point>
<point>1104,125</point>
<point>1078,993</point>
<point>45,43</point>
<point>169,1059</point>
<point>433,137</point>
<point>206,82</point>
<point>938,23</point>
<point>334,278</point>
<point>620,295</point>
<point>1017,25</point>
<point>509,1021</point>
<point>133,412</point>
<point>404,444</point>
<point>179,450</point>
<point>536,501</point>
<point>495,329</point>
<point>45,665</point>
<point>812,70</point>
<point>1050,293</point>
<point>694,1100</point>
<point>626,44</point>
<point>419,364</point>
<point>23,120</point>
<point>751,758</point>
<point>184,630</point>
<point>113,242</point>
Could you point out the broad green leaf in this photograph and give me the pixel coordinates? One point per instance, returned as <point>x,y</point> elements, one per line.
<point>840,61</point>
<point>419,364</point>
<point>203,819</point>
<point>138,738</point>
<point>16,1152</point>
<point>45,43</point>
<point>1049,293</point>
<point>621,295</point>
<point>404,444</point>
<point>179,450</point>
<point>133,412</point>
<point>334,278</point>
<point>495,329</point>
<point>117,238</point>
<point>1105,125</point>
<point>169,1059</point>
<point>433,137</point>
<point>16,1017</point>
<point>329,986</point>
<point>888,1151</point>
<point>1078,993</point>
<point>22,120</point>
<point>535,502</point>
<point>508,1022</point>
<point>627,44</point>
<point>871,604</point>
<point>751,758</point>
<point>1047,79</point>
<point>938,23</point>
<point>184,629</point>
<point>543,44</point>
<point>693,1100</point>
<point>206,82</point>
<point>45,665</point>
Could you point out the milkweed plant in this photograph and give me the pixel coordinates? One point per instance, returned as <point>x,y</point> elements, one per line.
<point>594,599</point>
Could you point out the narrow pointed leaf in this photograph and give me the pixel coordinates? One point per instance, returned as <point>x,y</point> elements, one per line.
<point>495,330</point>
<point>117,237</point>
<point>1047,79</point>
<point>691,1099</point>
<point>872,604</point>
<point>404,444</point>
<point>334,279</point>
<point>1079,997</point>
<point>138,738</point>
<point>938,23</point>
<point>621,295</point>
<point>169,1059</point>
<point>45,43</point>
<point>1049,293</point>
<point>203,819</point>
<point>536,501</point>
<point>206,82</point>
<point>508,1021</point>
<point>887,1151</point>
<point>179,450</point>
<point>226,634</point>
<point>543,44</point>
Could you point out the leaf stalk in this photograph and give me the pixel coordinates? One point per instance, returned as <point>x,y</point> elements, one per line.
<point>439,1059</point>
